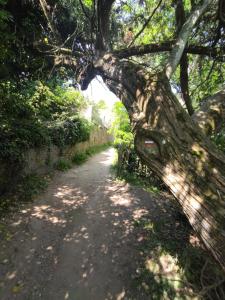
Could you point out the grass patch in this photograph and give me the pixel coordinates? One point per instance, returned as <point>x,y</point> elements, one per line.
<point>96,149</point>
<point>63,165</point>
<point>136,180</point>
<point>80,158</point>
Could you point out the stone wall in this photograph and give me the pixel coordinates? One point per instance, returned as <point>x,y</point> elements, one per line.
<point>42,160</point>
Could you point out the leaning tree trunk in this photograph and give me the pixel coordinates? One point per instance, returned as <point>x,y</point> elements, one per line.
<point>174,146</point>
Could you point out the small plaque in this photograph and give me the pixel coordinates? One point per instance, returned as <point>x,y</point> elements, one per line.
<point>149,144</point>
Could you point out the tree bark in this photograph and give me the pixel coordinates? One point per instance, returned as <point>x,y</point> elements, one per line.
<point>184,80</point>
<point>103,17</point>
<point>213,52</point>
<point>184,83</point>
<point>178,50</point>
<point>173,146</point>
<point>211,115</point>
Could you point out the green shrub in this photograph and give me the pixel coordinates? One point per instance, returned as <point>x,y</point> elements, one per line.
<point>129,167</point>
<point>24,190</point>
<point>35,114</point>
<point>219,140</point>
<point>63,165</point>
<point>121,128</point>
<point>79,158</point>
<point>30,186</point>
<point>98,148</point>
<point>69,132</point>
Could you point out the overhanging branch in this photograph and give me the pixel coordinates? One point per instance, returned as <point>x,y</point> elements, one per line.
<point>214,52</point>
<point>84,10</point>
<point>51,25</point>
<point>145,24</point>
<point>103,17</point>
<point>178,49</point>
<point>184,76</point>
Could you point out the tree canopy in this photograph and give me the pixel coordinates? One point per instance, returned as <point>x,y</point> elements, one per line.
<point>44,38</point>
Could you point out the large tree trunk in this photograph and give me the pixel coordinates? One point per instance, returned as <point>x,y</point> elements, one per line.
<point>174,146</point>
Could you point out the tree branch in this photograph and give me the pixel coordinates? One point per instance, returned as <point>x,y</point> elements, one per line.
<point>145,24</point>
<point>103,15</point>
<point>178,49</point>
<point>184,84</point>
<point>205,80</point>
<point>51,25</point>
<point>216,53</point>
<point>51,49</point>
<point>83,10</point>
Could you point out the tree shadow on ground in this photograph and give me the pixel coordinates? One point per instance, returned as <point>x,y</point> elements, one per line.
<point>174,263</point>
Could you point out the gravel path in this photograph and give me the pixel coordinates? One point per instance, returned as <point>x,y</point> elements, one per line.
<point>77,240</point>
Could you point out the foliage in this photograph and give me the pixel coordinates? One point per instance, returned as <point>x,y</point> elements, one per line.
<point>69,132</point>
<point>25,190</point>
<point>207,77</point>
<point>24,43</point>
<point>121,128</point>
<point>135,14</point>
<point>81,157</point>
<point>141,176</point>
<point>128,166</point>
<point>63,165</point>
<point>26,37</point>
<point>35,114</point>
<point>101,105</point>
<point>219,139</point>
<point>31,185</point>
<point>18,29</point>
<point>97,109</point>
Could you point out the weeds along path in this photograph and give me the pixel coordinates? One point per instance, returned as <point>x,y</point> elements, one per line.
<point>77,241</point>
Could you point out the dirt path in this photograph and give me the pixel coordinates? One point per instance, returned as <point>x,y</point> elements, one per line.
<point>77,240</point>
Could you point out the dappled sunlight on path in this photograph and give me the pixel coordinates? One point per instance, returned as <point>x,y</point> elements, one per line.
<point>77,241</point>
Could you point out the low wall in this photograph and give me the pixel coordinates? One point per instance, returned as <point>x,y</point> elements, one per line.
<point>97,137</point>
<point>42,160</point>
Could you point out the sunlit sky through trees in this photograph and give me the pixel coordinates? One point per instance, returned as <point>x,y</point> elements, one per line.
<point>97,90</point>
